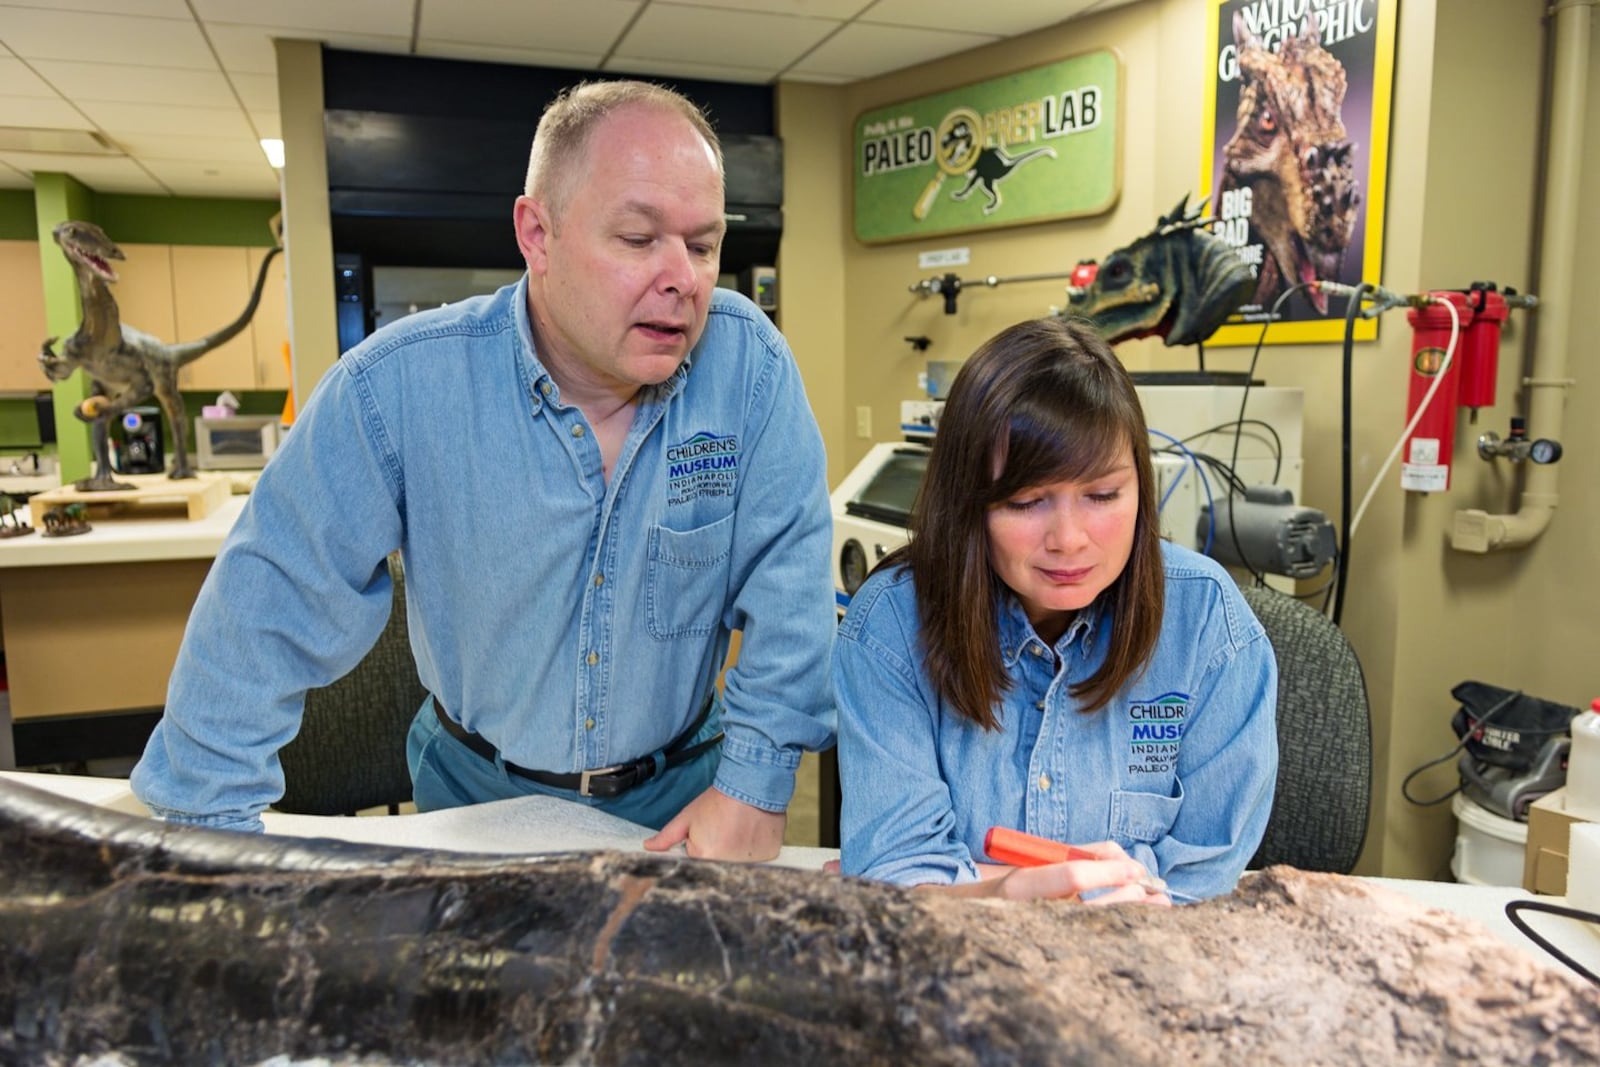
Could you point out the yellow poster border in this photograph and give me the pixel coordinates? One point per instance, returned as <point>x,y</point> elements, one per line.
<point>1377,184</point>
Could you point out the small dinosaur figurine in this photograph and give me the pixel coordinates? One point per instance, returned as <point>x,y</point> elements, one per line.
<point>1177,282</point>
<point>125,365</point>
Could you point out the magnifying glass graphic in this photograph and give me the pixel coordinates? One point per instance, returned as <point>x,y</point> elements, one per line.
<point>957,142</point>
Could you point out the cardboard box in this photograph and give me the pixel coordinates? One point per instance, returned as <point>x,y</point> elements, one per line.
<point>1544,864</point>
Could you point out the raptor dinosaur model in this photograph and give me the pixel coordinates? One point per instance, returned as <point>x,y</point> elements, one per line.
<point>128,941</point>
<point>1291,151</point>
<point>1177,282</point>
<point>991,168</point>
<point>125,365</point>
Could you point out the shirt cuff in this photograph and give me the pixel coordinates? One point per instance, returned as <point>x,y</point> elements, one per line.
<point>249,825</point>
<point>758,775</point>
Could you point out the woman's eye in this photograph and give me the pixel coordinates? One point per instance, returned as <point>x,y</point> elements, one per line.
<point>1105,498</point>
<point>1023,504</point>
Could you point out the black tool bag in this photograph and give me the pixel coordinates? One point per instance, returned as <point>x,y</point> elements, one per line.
<point>1505,728</point>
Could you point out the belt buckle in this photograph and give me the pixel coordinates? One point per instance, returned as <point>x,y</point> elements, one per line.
<point>584,777</point>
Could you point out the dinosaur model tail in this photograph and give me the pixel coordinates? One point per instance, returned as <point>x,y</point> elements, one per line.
<point>189,351</point>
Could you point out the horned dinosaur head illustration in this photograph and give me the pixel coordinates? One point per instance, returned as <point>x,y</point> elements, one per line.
<point>1291,150</point>
<point>1177,282</point>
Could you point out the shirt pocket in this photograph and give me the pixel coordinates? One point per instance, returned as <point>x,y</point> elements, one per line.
<point>1145,817</point>
<point>688,579</point>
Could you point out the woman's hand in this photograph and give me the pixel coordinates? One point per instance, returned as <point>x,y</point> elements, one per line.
<point>1111,875</point>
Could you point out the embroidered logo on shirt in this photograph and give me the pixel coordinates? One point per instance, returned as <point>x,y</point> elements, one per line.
<point>702,465</point>
<point>1157,727</point>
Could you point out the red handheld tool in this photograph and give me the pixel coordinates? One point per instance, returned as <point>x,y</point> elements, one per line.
<point>1019,849</point>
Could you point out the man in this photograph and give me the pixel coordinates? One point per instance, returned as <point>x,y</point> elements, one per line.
<point>593,477</point>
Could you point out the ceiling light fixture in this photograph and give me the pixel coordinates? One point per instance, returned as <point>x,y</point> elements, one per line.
<point>56,142</point>
<point>273,147</point>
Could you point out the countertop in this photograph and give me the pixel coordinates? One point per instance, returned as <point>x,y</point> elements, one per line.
<point>125,540</point>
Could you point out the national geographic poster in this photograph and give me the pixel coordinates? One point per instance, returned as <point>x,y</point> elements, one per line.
<point>1296,154</point>
<point>1043,143</point>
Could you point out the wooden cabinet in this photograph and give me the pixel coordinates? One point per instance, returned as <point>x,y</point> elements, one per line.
<point>144,290</point>
<point>211,285</point>
<point>270,327</point>
<point>22,321</point>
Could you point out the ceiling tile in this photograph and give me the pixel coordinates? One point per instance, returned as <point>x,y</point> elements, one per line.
<point>669,68</point>
<point>488,53</point>
<point>861,51</point>
<point>682,33</point>
<point>121,120</point>
<point>36,33</point>
<point>256,91</point>
<point>152,146</point>
<point>164,9</point>
<point>267,123</point>
<point>216,179</point>
<point>828,9</point>
<point>248,49</point>
<point>104,174</point>
<point>132,85</point>
<point>17,80</point>
<point>1006,19</point>
<point>310,18</point>
<point>48,114</point>
<point>538,25</point>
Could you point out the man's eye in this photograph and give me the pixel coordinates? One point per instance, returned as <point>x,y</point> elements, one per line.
<point>635,240</point>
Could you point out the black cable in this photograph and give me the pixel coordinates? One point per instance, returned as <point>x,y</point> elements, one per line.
<point>1466,736</point>
<point>1200,350</point>
<point>1351,308</point>
<point>1513,907</point>
<point>1244,398</point>
<point>1277,441</point>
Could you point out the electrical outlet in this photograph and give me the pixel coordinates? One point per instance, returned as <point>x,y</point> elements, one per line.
<point>864,421</point>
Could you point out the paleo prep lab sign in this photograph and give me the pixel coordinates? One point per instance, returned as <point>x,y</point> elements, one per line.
<point>1043,143</point>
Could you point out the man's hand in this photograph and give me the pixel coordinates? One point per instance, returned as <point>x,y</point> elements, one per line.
<point>716,827</point>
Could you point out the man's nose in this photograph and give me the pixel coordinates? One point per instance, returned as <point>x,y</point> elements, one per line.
<point>678,273</point>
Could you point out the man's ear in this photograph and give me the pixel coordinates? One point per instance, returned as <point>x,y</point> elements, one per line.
<point>532,221</point>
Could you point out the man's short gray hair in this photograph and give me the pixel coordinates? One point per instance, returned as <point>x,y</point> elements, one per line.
<point>564,130</point>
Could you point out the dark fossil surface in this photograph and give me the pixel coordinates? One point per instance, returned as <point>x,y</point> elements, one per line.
<point>126,941</point>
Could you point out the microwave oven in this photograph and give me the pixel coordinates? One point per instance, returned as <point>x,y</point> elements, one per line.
<point>235,442</point>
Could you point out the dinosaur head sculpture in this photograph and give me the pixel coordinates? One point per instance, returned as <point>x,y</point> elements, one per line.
<point>87,247</point>
<point>1177,282</point>
<point>1291,150</point>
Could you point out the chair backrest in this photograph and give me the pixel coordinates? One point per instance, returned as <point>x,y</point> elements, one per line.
<point>1319,816</point>
<point>350,753</point>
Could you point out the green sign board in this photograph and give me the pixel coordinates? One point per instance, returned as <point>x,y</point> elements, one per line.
<point>1043,143</point>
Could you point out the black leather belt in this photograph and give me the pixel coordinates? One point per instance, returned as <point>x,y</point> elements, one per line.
<point>602,782</point>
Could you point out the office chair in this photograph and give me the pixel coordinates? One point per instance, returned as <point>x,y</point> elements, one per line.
<point>1319,816</point>
<point>350,753</point>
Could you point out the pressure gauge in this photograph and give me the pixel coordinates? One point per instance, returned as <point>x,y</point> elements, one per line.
<point>1544,450</point>
<point>852,566</point>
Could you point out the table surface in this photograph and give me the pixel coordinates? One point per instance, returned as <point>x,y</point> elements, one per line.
<point>547,824</point>
<point>127,540</point>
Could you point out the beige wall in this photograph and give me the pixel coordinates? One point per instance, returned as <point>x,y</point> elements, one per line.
<point>1462,193</point>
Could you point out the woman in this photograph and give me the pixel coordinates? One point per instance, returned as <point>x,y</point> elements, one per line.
<point>1038,658</point>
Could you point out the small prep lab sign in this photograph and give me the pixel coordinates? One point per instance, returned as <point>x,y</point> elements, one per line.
<point>1043,143</point>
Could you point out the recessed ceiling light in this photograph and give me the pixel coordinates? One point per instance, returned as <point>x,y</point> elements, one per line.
<point>273,147</point>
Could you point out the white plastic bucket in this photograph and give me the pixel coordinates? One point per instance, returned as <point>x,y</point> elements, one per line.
<point>1489,849</point>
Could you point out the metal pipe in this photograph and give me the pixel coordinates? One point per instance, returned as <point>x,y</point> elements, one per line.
<point>1478,531</point>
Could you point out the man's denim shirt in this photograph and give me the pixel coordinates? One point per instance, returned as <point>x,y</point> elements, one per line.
<point>573,622</point>
<point>1179,768</point>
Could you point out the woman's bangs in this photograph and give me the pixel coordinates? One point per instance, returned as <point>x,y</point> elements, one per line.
<point>1046,445</point>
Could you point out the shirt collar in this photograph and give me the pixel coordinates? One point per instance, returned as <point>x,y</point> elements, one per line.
<point>1017,634</point>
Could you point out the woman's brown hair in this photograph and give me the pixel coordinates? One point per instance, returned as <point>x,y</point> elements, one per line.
<point>1043,401</point>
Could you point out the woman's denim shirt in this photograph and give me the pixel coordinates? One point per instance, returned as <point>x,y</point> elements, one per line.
<point>575,621</point>
<point>1179,768</point>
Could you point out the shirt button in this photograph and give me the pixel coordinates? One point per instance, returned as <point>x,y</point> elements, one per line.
<point>599,579</point>
<point>546,388</point>
<point>1039,704</point>
<point>588,724</point>
<point>1038,650</point>
<point>577,431</point>
<point>594,657</point>
<point>1044,783</point>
